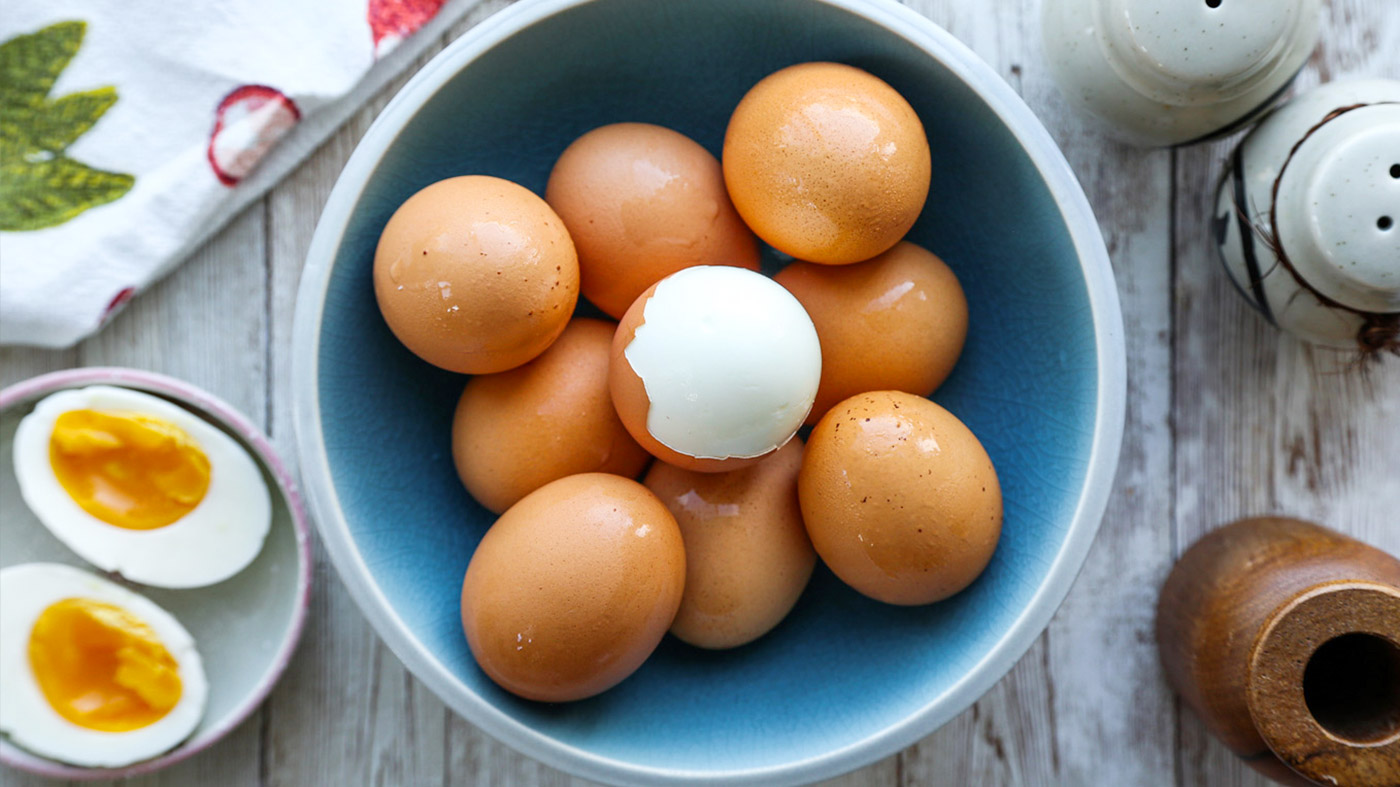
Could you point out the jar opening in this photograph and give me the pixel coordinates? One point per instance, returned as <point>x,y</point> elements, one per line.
<point>1352,687</point>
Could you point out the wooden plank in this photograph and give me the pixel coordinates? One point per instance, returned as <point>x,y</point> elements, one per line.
<point>1059,716</point>
<point>206,324</point>
<point>346,712</point>
<point>21,363</point>
<point>1007,736</point>
<point>1113,718</point>
<point>1264,423</point>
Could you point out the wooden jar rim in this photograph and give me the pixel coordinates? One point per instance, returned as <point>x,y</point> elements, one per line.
<point>1275,686</point>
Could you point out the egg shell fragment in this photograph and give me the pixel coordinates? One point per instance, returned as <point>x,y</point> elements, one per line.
<point>573,587</point>
<point>747,555</point>
<point>476,274</point>
<point>714,367</point>
<point>517,430</point>
<point>900,499</point>
<point>895,322</point>
<point>642,202</point>
<point>28,589</point>
<point>827,163</point>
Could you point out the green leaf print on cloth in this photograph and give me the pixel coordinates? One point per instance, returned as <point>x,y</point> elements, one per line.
<point>39,185</point>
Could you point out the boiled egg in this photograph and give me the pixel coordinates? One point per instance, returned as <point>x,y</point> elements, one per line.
<point>714,367</point>
<point>900,498</point>
<point>91,673</point>
<point>573,587</point>
<point>827,162</point>
<point>642,202</point>
<point>142,487</point>
<point>516,431</point>
<point>475,274</point>
<point>896,322</point>
<point>747,556</point>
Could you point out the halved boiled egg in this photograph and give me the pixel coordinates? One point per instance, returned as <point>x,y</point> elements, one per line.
<point>90,672</point>
<point>137,485</point>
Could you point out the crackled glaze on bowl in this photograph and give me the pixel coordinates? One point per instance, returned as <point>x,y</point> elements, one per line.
<point>843,680</point>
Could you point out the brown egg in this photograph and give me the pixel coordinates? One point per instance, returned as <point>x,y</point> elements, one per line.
<point>827,163</point>
<point>632,404</point>
<point>893,323</point>
<point>714,367</point>
<point>476,274</point>
<point>747,556</point>
<point>899,497</point>
<point>516,431</point>
<point>573,587</point>
<point>641,203</point>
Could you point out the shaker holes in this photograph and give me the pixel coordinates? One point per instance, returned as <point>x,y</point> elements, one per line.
<point>1395,171</point>
<point>1213,3</point>
<point>1385,223</point>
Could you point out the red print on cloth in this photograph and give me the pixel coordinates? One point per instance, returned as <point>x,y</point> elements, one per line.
<point>118,301</point>
<point>391,21</point>
<point>246,125</point>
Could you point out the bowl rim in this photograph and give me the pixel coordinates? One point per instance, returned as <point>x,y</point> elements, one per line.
<point>206,403</point>
<point>976,681</point>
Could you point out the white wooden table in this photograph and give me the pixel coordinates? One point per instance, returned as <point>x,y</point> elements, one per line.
<point>1226,418</point>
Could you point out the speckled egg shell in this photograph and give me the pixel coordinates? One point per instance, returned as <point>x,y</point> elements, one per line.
<point>573,587</point>
<point>516,431</point>
<point>827,162</point>
<point>642,202</point>
<point>476,274</point>
<point>896,322</point>
<point>899,498</point>
<point>747,554</point>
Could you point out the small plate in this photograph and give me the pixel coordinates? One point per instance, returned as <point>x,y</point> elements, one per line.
<point>246,627</point>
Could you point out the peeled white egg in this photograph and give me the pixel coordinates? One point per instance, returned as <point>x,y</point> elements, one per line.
<point>714,367</point>
<point>142,487</point>
<point>91,673</point>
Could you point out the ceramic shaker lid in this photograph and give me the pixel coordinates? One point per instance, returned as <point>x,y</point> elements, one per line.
<point>1306,218</point>
<point>1169,73</point>
<point>1338,201</point>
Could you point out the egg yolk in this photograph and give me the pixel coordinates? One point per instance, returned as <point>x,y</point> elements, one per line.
<point>127,469</point>
<point>101,667</point>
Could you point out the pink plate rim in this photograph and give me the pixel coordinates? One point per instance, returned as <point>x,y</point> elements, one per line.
<point>223,413</point>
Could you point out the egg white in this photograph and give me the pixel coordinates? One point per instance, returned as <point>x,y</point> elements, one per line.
<point>28,718</point>
<point>730,362</point>
<point>218,538</point>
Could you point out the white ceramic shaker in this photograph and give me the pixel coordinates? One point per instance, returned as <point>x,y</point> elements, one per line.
<point>1174,72</point>
<point>1307,219</point>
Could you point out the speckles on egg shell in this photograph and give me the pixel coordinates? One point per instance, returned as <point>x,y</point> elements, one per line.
<point>852,165</point>
<point>463,235</point>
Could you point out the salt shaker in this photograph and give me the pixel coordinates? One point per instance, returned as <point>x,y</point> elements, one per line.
<point>1306,215</point>
<point>1173,72</point>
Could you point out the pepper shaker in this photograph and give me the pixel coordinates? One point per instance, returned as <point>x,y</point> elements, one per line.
<point>1305,218</point>
<point>1284,638</point>
<point>1173,73</point>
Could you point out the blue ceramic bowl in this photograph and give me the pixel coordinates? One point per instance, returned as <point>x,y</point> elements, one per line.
<point>844,680</point>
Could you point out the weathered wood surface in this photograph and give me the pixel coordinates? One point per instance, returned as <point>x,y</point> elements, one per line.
<point>1226,418</point>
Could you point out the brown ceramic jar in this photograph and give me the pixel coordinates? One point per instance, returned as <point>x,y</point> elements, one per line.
<point>1284,637</point>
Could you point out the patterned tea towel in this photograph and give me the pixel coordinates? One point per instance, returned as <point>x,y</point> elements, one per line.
<point>132,130</point>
